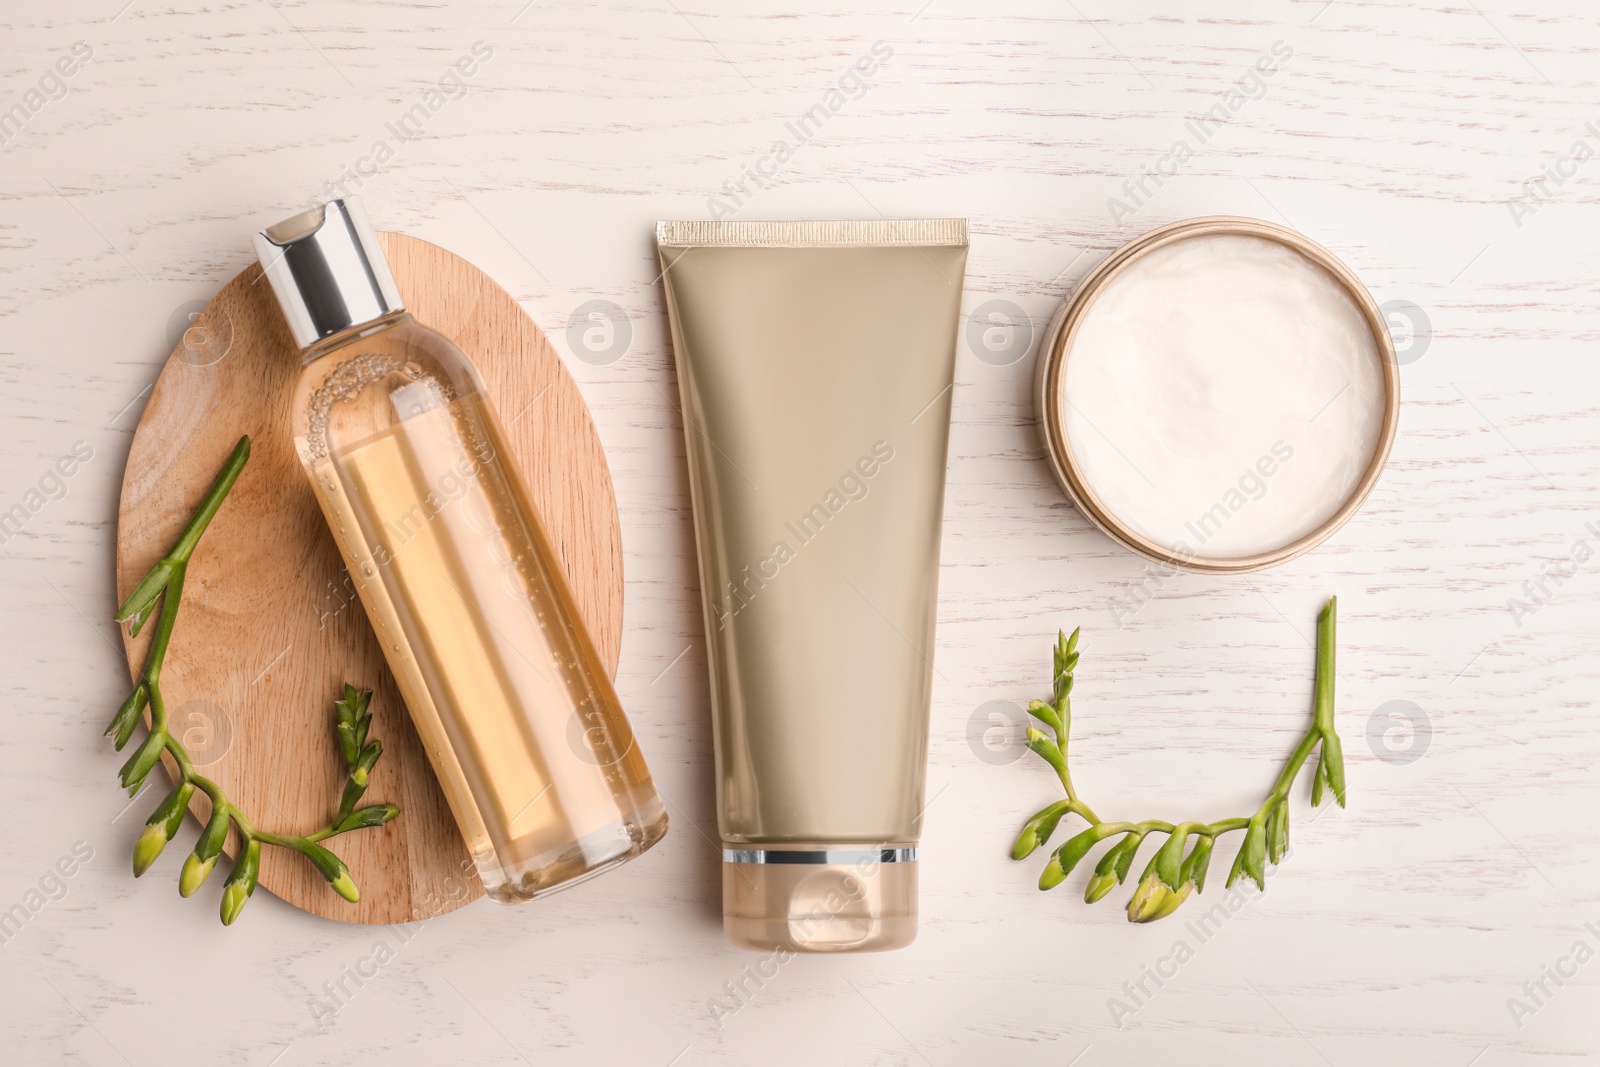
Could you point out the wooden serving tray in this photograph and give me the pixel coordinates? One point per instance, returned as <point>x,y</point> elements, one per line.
<point>270,627</point>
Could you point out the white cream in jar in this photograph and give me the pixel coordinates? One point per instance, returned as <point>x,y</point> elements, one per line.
<point>1222,397</point>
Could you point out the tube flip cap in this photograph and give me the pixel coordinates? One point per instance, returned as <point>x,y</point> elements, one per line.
<point>847,899</point>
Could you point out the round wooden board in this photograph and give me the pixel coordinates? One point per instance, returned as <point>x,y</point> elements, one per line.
<point>270,627</point>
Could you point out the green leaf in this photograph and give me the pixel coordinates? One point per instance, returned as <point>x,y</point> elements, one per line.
<point>354,721</point>
<point>161,827</point>
<point>127,716</point>
<point>133,772</point>
<point>1169,859</point>
<point>214,836</point>
<point>1037,830</point>
<point>1038,742</point>
<point>1278,832</point>
<point>1195,864</point>
<point>198,864</point>
<point>136,623</point>
<point>348,745</point>
<point>1333,758</point>
<point>1237,870</point>
<point>363,768</point>
<point>1254,854</point>
<point>169,816</point>
<point>1047,825</point>
<point>1125,851</point>
<point>360,776</point>
<point>1065,661</point>
<point>361,818</point>
<point>144,594</point>
<point>1045,714</point>
<point>1250,862</point>
<point>1113,867</point>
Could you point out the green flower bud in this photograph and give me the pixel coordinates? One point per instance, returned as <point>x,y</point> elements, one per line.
<point>1039,742</point>
<point>1069,856</point>
<point>1038,829</point>
<point>233,901</point>
<point>332,868</point>
<point>194,874</point>
<point>1053,874</point>
<point>241,881</point>
<point>147,848</point>
<point>1027,841</point>
<point>161,827</point>
<point>1099,885</point>
<point>1148,897</point>
<point>345,886</point>
<point>1045,714</point>
<point>1169,902</point>
<point>1153,900</point>
<point>1112,868</point>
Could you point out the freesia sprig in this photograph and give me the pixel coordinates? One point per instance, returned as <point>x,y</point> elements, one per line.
<point>164,585</point>
<point>1179,865</point>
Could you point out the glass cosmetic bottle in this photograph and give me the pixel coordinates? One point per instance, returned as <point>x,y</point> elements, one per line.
<point>406,457</point>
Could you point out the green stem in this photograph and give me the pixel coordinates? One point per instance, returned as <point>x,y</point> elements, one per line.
<point>166,580</point>
<point>213,500</point>
<point>1327,623</point>
<point>1321,727</point>
<point>281,840</point>
<point>1291,770</point>
<point>1063,737</point>
<point>171,600</point>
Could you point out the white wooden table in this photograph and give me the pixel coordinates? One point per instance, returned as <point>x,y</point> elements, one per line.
<point>1401,136</point>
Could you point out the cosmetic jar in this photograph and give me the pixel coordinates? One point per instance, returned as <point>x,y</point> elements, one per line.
<point>1219,395</point>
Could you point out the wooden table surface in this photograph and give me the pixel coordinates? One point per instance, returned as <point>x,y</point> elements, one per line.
<point>1449,917</point>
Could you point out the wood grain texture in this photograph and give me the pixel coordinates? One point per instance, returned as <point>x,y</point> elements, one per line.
<point>1397,134</point>
<point>270,626</point>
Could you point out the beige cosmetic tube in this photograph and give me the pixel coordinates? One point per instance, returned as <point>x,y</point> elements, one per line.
<point>815,363</point>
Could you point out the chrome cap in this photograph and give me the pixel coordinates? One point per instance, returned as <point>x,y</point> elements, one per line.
<point>327,270</point>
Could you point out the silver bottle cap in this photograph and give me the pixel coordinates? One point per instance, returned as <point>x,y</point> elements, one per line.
<point>328,271</point>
